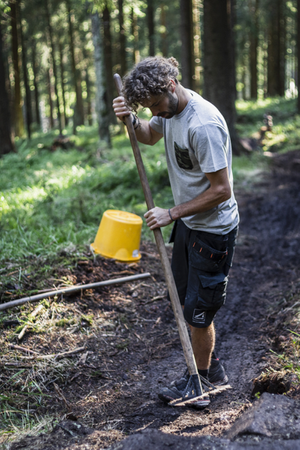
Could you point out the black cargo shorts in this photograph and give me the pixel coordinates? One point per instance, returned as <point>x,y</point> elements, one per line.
<point>200,265</point>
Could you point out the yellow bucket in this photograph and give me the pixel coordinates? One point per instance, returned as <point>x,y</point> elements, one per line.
<point>119,236</point>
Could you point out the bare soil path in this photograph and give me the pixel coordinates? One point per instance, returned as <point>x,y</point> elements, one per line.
<point>111,390</point>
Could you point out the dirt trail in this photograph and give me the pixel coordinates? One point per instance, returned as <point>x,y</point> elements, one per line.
<point>122,400</point>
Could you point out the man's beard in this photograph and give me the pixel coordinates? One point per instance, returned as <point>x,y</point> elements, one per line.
<point>172,109</point>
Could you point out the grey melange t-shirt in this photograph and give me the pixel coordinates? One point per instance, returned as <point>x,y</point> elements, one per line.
<point>197,142</point>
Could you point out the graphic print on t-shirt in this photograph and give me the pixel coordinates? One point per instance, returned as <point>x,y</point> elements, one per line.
<point>183,158</point>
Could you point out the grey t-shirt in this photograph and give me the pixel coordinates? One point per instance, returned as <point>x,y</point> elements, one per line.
<point>197,142</point>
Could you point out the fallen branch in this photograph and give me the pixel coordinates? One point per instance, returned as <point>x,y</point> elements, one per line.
<point>35,298</point>
<point>22,349</point>
<point>57,356</point>
<point>61,395</point>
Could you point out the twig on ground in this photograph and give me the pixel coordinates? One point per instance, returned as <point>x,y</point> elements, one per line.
<point>56,356</point>
<point>155,299</point>
<point>22,349</point>
<point>61,395</point>
<point>23,331</point>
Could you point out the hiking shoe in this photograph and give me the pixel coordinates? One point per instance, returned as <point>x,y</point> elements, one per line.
<point>216,374</point>
<point>178,389</point>
<point>204,401</point>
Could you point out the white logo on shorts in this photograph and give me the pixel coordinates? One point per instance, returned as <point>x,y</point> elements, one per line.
<point>199,316</point>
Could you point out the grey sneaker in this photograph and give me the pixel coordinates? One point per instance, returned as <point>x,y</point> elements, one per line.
<point>216,374</point>
<point>178,389</point>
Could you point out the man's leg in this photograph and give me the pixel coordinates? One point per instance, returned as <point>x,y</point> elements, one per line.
<point>203,343</point>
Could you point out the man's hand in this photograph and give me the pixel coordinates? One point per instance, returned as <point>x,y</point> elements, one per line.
<point>120,108</point>
<point>157,217</point>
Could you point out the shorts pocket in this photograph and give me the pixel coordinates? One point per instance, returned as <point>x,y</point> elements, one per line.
<point>205,290</point>
<point>206,258</point>
<point>212,290</point>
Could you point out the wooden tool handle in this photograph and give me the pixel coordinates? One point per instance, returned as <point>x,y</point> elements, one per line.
<point>136,150</point>
<point>177,308</point>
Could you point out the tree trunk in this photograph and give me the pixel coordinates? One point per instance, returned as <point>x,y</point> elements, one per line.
<point>25,78</point>
<point>6,145</point>
<point>151,28</point>
<point>35,82</point>
<point>298,54</point>
<point>122,40</point>
<point>88,97</point>
<point>187,44</point>
<point>219,70</point>
<point>62,82</point>
<point>53,64</point>
<point>101,109</point>
<point>135,34</point>
<point>254,12</point>
<point>17,112</point>
<point>88,88</point>
<point>49,86</point>
<point>163,22</point>
<point>276,39</point>
<point>107,53</point>
<point>78,109</point>
<point>282,47</point>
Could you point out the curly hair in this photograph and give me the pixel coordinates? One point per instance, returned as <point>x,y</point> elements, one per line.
<point>148,78</point>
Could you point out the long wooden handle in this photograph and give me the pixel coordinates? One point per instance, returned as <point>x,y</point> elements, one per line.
<point>177,308</point>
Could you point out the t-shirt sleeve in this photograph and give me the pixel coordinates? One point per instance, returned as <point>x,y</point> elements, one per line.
<point>157,124</point>
<point>210,143</point>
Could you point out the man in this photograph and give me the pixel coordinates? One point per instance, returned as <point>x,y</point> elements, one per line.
<point>198,152</point>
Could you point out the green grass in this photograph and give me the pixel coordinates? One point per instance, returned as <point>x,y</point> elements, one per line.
<point>51,201</point>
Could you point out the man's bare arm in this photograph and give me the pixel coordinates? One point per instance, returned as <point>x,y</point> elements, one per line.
<point>218,192</point>
<point>144,133</point>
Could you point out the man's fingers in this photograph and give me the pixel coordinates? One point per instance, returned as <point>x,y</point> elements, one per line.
<point>120,107</point>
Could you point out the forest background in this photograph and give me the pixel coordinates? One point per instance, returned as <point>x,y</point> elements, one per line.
<point>58,57</point>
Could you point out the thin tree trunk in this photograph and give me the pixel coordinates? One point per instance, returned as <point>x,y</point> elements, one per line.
<point>254,10</point>
<point>53,64</point>
<point>49,86</point>
<point>282,47</point>
<point>298,54</point>
<point>101,109</point>
<point>35,82</point>
<point>275,40</point>
<point>6,144</point>
<point>62,81</point>
<point>88,97</point>
<point>107,53</point>
<point>122,40</point>
<point>151,27</point>
<point>219,77</point>
<point>197,44</point>
<point>17,112</point>
<point>163,22</point>
<point>135,34</point>
<point>25,78</point>
<point>78,110</point>
<point>187,43</point>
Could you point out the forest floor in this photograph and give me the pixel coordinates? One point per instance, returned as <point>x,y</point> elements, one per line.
<point>131,345</point>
